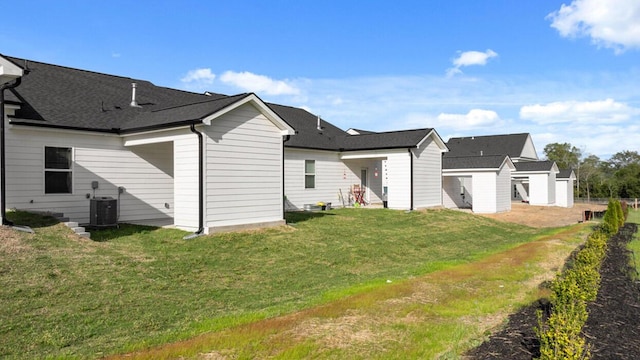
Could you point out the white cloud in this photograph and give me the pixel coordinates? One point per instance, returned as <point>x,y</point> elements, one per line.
<point>469,58</point>
<point>475,118</point>
<point>203,76</point>
<point>606,111</point>
<point>258,83</point>
<point>610,23</point>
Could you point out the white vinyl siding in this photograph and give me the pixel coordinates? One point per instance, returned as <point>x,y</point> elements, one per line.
<point>243,169</point>
<point>101,158</point>
<point>539,189</point>
<point>484,192</point>
<point>427,175</point>
<point>564,193</point>
<point>399,166</point>
<point>332,176</point>
<point>186,185</point>
<point>503,190</point>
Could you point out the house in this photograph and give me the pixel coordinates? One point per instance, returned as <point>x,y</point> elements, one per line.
<point>480,183</point>
<point>532,180</point>
<point>201,162</point>
<point>324,163</point>
<point>564,188</point>
<point>535,182</point>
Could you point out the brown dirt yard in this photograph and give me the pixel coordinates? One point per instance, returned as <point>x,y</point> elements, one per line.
<point>545,216</point>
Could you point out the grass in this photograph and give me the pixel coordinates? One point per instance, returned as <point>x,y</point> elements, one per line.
<point>634,245</point>
<point>137,287</point>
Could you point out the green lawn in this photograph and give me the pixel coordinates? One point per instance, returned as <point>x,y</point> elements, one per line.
<point>634,246</point>
<point>64,296</point>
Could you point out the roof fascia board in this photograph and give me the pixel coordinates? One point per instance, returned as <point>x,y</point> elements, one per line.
<point>370,154</point>
<point>470,171</point>
<point>156,136</point>
<point>254,100</point>
<point>17,126</point>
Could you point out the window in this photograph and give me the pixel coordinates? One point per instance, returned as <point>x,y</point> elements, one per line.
<point>57,170</point>
<point>309,174</point>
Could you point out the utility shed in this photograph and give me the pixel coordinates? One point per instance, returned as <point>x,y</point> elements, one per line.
<point>480,183</point>
<point>564,188</point>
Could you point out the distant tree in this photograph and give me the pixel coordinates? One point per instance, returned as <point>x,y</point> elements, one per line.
<point>624,158</point>
<point>590,170</point>
<point>565,155</point>
<point>628,179</point>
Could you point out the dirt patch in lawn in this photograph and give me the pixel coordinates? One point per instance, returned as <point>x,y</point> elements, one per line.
<point>545,216</point>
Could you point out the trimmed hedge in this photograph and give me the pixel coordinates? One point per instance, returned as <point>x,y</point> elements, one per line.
<point>561,334</point>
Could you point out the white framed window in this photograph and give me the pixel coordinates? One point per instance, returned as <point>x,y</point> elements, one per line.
<point>58,170</point>
<point>309,174</point>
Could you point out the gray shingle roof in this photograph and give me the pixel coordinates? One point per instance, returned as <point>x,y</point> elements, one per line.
<point>564,174</point>
<point>473,162</point>
<point>509,144</point>
<point>52,95</point>
<point>63,97</point>
<point>545,165</point>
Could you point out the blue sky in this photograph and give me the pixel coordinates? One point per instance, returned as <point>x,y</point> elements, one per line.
<point>564,71</point>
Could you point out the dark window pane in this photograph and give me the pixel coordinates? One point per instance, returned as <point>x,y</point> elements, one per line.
<point>309,181</point>
<point>57,182</point>
<point>57,158</point>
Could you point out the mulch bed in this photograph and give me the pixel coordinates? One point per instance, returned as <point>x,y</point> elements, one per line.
<point>612,329</point>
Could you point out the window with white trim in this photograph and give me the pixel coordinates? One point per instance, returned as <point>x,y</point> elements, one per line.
<point>309,174</point>
<point>58,172</point>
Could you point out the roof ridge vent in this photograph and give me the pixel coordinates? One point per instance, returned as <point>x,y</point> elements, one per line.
<point>134,103</point>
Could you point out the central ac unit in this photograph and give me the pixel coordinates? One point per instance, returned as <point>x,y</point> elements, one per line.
<point>103,212</point>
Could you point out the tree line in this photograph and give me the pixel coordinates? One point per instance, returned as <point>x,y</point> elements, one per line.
<point>618,177</point>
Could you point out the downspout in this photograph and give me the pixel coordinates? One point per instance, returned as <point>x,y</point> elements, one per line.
<point>284,196</point>
<point>3,197</point>
<point>200,230</point>
<point>411,178</point>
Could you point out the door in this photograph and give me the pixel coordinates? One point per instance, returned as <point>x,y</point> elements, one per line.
<point>364,183</point>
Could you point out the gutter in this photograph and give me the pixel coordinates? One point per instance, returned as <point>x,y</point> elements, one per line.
<point>200,230</point>
<point>411,178</point>
<point>3,192</point>
<point>284,200</point>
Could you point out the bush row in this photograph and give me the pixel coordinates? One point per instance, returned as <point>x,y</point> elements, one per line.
<point>561,334</point>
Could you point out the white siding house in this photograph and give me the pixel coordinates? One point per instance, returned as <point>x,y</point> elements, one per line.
<point>564,188</point>
<point>406,164</point>
<point>478,182</point>
<point>201,162</point>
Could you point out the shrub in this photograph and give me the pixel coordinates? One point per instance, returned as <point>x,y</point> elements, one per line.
<point>610,221</point>
<point>560,336</point>
<point>625,209</point>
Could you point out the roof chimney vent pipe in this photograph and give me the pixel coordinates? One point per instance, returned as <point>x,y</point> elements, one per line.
<point>134,103</point>
<point>318,125</point>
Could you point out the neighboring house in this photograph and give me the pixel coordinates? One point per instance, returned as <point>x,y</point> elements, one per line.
<point>200,162</point>
<point>479,183</point>
<point>323,163</point>
<point>564,188</point>
<point>533,181</point>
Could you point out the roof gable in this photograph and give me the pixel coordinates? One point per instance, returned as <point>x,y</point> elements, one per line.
<point>9,71</point>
